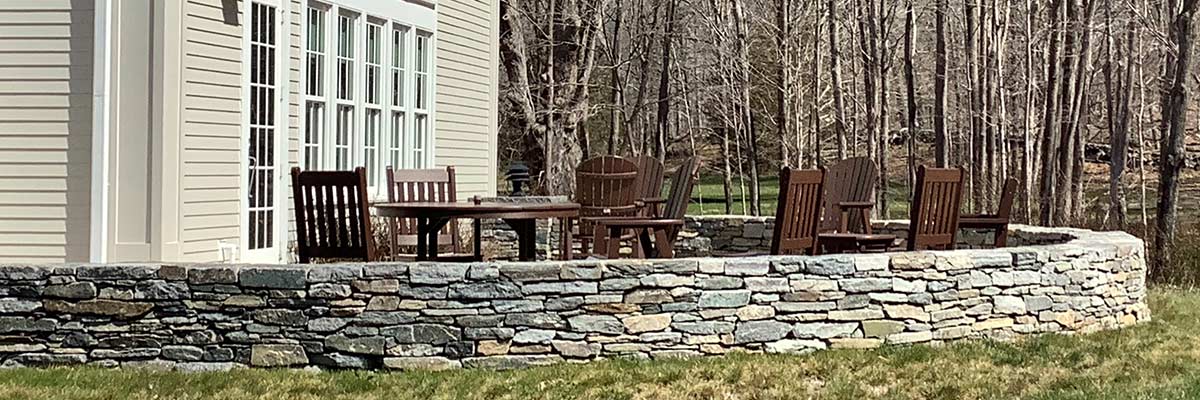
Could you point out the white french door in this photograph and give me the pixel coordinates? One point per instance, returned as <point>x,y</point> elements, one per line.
<point>263,220</point>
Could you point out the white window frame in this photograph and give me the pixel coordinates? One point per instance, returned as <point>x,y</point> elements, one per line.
<point>414,17</point>
<point>320,99</point>
<point>275,252</point>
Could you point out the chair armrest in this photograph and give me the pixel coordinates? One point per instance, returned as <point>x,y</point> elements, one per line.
<point>653,200</point>
<point>856,204</point>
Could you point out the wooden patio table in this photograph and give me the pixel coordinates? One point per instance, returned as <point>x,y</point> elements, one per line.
<point>522,217</point>
<point>834,243</point>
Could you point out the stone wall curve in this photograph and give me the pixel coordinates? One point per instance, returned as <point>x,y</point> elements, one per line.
<point>504,315</point>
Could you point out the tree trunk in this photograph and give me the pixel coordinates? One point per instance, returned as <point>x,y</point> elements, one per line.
<point>664,85</point>
<point>835,79</point>
<point>742,43</point>
<point>783,75</point>
<point>910,83</point>
<point>1173,152</point>
<point>941,146</point>
<point>1027,163</point>
<point>1049,143</point>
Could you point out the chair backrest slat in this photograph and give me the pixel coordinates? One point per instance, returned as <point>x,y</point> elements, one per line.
<point>421,185</point>
<point>605,186</point>
<point>797,215</point>
<point>332,215</point>
<point>937,202</point>
<point>683,181</point>
<point>650,178</point>
<point>850,180</point>
<point>1007,195</point>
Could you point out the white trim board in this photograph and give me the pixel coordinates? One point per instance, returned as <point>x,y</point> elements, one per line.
<point>101,108</point>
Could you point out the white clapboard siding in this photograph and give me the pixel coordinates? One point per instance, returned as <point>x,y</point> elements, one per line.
<point>212,133</point>
<point>46,80</point>
<point>466,93</point>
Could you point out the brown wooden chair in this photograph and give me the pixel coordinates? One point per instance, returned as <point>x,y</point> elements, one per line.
<point>998,221</point>
<point>664,229</point>
<point>333,220</point>
<point>850,189</point>
<point>798,214</point>
<point>604,187</point>
<point>937,203</point>
<point>649,185</point>
<point>424,185</point>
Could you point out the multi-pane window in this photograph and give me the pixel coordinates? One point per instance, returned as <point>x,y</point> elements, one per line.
<point>372,86</point>
<point>421,84</point>
<point>399,60</point>
<point>421,81</point>
<point>345,55</point>
<point>314,87</point>
<point>369,86</point>
<point>263,113</point>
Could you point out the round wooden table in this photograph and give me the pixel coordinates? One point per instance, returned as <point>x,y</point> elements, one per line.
<point>522,217</point>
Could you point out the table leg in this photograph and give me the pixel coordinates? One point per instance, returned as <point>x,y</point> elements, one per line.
<point>526,238</point>
<point>433,240</point>
<point>422,236</point>
<point>566,245</point>
<point>477,227</point>
<point>433,228</point>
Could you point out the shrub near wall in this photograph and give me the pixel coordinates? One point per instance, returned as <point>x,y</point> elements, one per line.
<point>501,315</point>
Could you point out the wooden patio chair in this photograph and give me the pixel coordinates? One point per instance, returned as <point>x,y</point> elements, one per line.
<point>604,187</point>
<point>998,221</point>
<point>937,203</point>
<point>424,185</point>
<point>798,214</point>
<point>333,219</point>
<point>850,189</point>
<point>664,228</point>
<point>649,185</point>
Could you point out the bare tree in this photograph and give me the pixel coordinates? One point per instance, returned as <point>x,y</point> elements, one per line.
<point>1173,152</point>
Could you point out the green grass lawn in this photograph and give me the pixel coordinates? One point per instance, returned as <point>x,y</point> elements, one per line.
<point>1156,360</point>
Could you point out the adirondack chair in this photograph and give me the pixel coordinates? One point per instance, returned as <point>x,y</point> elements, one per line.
<point>849,190</point>
<point>798,215</point>
<point>935,210</point>
<point>999,220</point>
<point>333,221</point>
<point>604,187</point>
<point>424,185</point>
<point>664,229</point>
<point>649,183</point>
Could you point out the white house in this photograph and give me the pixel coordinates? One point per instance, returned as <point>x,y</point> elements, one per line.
<point>162,130</point>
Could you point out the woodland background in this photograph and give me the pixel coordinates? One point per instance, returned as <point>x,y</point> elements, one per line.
<point>1089,103</point>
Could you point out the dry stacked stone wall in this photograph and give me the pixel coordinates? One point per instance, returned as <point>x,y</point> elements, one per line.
<point>504,315</point>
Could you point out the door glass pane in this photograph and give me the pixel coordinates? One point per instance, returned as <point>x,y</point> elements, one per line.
<point>261,151</point>
<point>314,129</point>
<point>345,55</point>
<point>370,144</point>
<point>341,145</point>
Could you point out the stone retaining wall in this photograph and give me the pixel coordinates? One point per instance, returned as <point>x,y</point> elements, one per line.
<point>501,315</point>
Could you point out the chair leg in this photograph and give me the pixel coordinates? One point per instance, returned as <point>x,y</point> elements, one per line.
<point>1002,236</point>
<point>639,251</point>
<point>665,248</point>
<point>613,241</point>
<point>599,240</point>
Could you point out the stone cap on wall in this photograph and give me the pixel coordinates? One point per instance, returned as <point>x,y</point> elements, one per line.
<point>428,315</point>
